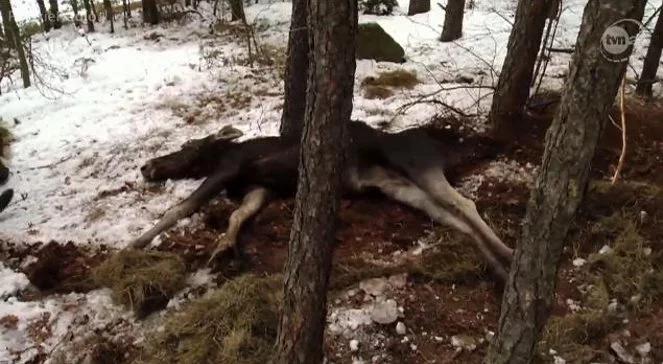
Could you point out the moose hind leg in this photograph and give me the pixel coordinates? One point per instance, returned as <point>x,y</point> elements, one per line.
<point>435,183</point>
<point>253,201</point>
<point>408,193</point>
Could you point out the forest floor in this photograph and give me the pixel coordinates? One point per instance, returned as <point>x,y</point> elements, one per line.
<point>110,102</point>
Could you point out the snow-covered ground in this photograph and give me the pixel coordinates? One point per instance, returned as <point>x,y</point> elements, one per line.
<point>115,100</point>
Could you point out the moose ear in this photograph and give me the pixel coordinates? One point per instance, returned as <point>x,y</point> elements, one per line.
<point>229,132</point>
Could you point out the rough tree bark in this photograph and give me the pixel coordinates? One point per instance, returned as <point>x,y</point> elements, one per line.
<point>571,141</point>
<point>14,36</point>
<point>296,73</point>
<point>74,8</point>
<point>150,12</point>
<point>54,13</point>
<point>45,19</point>
<point>453,20</point>
<point>418,7</point>
<point>513,87</point>
<point>652,60</point>
<point>237,10</point>
<point>88,16</point>
<point>333,26</point>
<point>108,7</point>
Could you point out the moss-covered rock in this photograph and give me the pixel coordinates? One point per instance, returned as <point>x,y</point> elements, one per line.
<point>374,43</point>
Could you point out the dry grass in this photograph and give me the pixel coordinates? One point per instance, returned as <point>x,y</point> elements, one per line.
<point>141,280</point>
<point>372,92</point>
<point>236,324</point>
<point>395,79</point>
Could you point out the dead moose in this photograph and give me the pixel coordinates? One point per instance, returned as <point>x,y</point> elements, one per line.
<point>408,167</point>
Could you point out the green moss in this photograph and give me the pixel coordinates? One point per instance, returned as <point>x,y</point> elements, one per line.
<point>374,43</point>
<point>142,280</point>
<point>236,324</point>
<point>452,259</point>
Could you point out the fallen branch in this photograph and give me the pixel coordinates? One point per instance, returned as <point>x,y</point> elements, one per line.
<point>622,157</point>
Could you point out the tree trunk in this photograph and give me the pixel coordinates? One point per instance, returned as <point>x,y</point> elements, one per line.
<point>418,7</point>
<point>94,11</point>
<point>14,39</point>
<point>237,10</point>
<point>150,12</point>
<point>128,10</point>
<point>652,60</point>
<point>45,18</point>
<point>74,8</point>
<point>108,7</point>
<point>588,95</point>
<point>54,14</point>
<point>333,26</point>
<point>513,87</point>
<point>296,73</point>
<point>453,20</point>
<point>88,16</point>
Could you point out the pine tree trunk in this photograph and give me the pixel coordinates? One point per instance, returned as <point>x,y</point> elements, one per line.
<point>88,16</point>
<point>418,7</point>
<point>128,2</point>
<point>45,18</point>
<point>296,74</point>
<point>588,95</point>
<point>150,12</point>
<point>74,8</point>
<point>94,11</point>
<point>237,10</point>
<point>652,60</point>
<point>108,7</point>
<point>14,39</point>
<point>513,87</point>
<point>332,26</point>
<point>453,20</point>
<point>55,14</point>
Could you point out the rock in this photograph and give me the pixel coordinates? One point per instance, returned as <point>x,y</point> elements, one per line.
<point>464,78</point>
<point>463,342</point>
<point>374,43</point>
<point>605,250</point>
<point>398,281</point>
<point>643,349</point>
<point>354,345</point>
<point>400,328</point>
<point>579,262</point>
<point>621,353</point>
<point>375,287</point>
<point>385,312</point>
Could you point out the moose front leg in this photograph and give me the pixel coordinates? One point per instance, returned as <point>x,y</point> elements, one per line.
<point>253,201</point>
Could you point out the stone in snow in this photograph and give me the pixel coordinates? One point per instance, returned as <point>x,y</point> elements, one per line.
<point>374,287</point>
<point>643,349</point>
<point>400,328</point>
<point>354,345</point>
<point>385,312</point>
<point>579,262</point>
<point>621,353</point>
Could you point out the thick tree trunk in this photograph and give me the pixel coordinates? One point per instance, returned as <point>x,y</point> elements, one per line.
<point>513,87</point>
<point>150,12</point>
<point>237,10</point>
<point>570,145</point>
<point>14,38</point>
<point>333,26</point>
<point>128,7</point>
<point>108,7</point>
<point>296,73</point>
<point>88,15</point>
<point>45,18</point>
<point>54,13</point>
<point>453,20</point>
<point>74,8</point>
<point>418,7</point>
<point>652,60</point>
